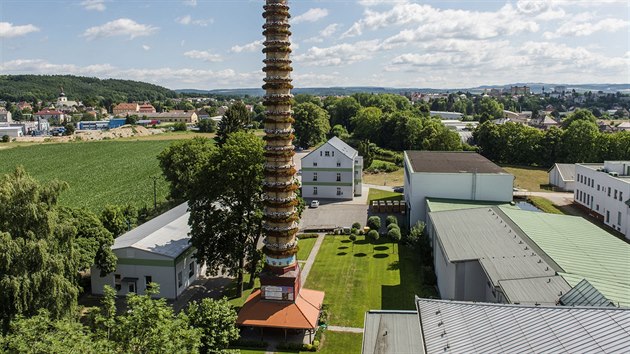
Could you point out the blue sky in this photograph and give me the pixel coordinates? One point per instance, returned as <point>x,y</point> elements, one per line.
<point>395,43</point>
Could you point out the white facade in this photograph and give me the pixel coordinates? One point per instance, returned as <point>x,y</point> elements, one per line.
<point>157,251</point>
<point>605,190</point>
<point>563,176</point>
<point>5,116</point>
<point>466,185</point>
<point>13,132</point>
<point>332,171</point>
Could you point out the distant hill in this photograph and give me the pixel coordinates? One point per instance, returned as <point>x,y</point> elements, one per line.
<point>78,88</point>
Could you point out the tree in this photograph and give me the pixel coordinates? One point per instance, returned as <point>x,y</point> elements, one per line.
<point>180,127</point>
<point>225,204</point>
<point>343,110</point>
<point>353,238</point>
<point>340,132</point>
<point>38,257</point>
<point>217,321</point>
<point>119,219</point>
<point>69,129</point>
<point>366,151</point>
<point>374,236</point>
<point>207,126</point>
<point>236,118</point>
<point>311,124</point>
<point>391,219</point>
<point>6,138</point>
<point>182,161</point>
<point>367,123</point>
<point>579,141</point>
<point>374,223</point>
<point>394,235</point>
<point>131,119</point>
<point>578,115</point>
<point>488,109</point>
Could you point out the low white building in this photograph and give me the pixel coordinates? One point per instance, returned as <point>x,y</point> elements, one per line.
<point>12,132</point>
<point>452,175</point>
<point>447,115</point>
<point>604,189</point>
<point>157,251</point>
<point>332,171</point>
<point>562,175</point>
<point>5,116</point>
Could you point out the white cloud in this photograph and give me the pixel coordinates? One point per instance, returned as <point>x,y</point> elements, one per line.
<point>573,29</point>
<point>204,55</point>
<point>188,20</point>
<point>323,34</point>
<point>146,47</point>
<point>249,47</point>
<point>96,5</point>
<point>8,30</point>
<point>337,55</point>
<point>312,15</point>
<point>191,3</point>
<point>121,27</point>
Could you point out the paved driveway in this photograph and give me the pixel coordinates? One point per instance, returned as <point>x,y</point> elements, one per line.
<point>331,214</point>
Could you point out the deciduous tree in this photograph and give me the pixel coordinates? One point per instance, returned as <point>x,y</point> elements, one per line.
<point>311,124</point>
<point>236,118</point>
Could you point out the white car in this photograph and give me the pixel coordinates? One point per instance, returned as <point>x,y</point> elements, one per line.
<point>315,204</point>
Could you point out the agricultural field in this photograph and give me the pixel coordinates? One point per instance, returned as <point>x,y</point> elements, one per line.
<point>98,173</point>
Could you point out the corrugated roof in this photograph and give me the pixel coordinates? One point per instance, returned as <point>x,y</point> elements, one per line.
<point>392,332</point>
<point>166,234</point>
<point>535,291</point>
<point>465,327</point>
<point>451,162</point>
<point>582,250</point>
<point>585,294</point>
<point>441,204</point>
<point>567,171</point>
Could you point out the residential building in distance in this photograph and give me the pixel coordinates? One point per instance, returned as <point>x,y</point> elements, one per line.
<point>562,175</point>
<point>604,189</point>
<point>65,105</point>
<point>447,115</point>
<point>5,116</point>
<point>53,117</point>
<point>146,108</point>
<point>189,117</point>
<point>157,251</point>
<point>452,175</point>
<point>520,90</point>
<point>126,108</point>
<point>332,171</point>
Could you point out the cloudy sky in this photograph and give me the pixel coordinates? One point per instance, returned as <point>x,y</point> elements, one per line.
<point>209,44</point>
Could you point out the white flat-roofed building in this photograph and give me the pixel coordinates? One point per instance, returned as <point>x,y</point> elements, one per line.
<point>447,115</point>
<point>12,132</point>
<point>562,175</point>
<point>452,175</point>
<point>604,189</point>
<point>332,171</point>
<point>157,251</point>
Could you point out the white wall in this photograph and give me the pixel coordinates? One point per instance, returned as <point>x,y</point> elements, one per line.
<point>445,272</point>
<point>327,169</point>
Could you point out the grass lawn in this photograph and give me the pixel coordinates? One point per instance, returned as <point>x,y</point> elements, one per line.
<point>98,173</point>
<point>545,205</point>
<point>385,179</point>
<point>368,277</point>
<point>239,301</point>
<point>339,342</point>
<point>306,245</point>
<point>379,194</point>
<point>529,178</point>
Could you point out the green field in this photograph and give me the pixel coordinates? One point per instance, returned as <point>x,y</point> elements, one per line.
<point>306,245</point>
<point>99,173</point>
<point>370,277</point>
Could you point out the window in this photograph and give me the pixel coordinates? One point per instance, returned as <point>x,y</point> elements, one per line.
<point>179,279</point>
<point>327,154</point>
<point>117,282</point>
<point>597,207</point>
<point>620,196</point>
<point>338,177</point>
<point>314,190</point>
<point>607,216</point>
<point>338,164</point>
<point>314,176</point>
<point>618,218</point>
<point>148,280</point>
<point>132,287</point>
<point>598,187</point>
<point>191,269</point>
<point>333,154</point>
<point>615,194</point>
<point>321,153</point>
<point>609,191</point>
<point>339,191</point>
<point>314,164</point>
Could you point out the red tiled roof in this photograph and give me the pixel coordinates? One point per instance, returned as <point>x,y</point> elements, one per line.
<point>48,112</point>
<point>301,314</point>
<point>133,106</point>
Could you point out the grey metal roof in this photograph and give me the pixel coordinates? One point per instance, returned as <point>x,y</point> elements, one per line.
<point>585,294</point>
<point>394,332</point>
<point>465,327</point>
<point>535,291</point>
<point>566,170</point>
<point>451,162</point>
<point>343,147</point>
<point>166,234</point>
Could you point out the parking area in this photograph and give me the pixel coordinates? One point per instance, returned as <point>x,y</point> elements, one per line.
<point>332,214</point>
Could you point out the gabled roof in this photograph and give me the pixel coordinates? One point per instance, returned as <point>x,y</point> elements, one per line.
<point>166,235</point>
<point>467,327</point>
<point>585,294</point>
<point>338,144</point>
<point>566,170</point>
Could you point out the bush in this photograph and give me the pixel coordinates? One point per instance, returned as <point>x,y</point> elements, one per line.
<point>6,138</point>
<point>382,166</point>
<point>373,235</point>
<point>394,234</point>
<point>305,236</point>
<point>353,237</point>
<point>248,343</point>
<point>391,219</point>
<point>356,225</point>
<point>180,127</point>
<point>207,126</point>
<point>374,222</point>
<point>393,226</point>
<point>299,346</point>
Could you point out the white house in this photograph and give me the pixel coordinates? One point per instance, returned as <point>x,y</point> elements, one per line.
<point>157,251</point>
<point>452,175</point>
<point>605,190</point>
<point>5,116</point>
<point>332,171</point>
<point>562,175</point>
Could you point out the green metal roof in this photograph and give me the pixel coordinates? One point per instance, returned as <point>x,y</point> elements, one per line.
<point>581,249</point>
<point>441,204</point>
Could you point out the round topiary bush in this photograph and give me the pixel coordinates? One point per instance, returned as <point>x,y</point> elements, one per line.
<point>394,234</point>
<point>373,235</point>
<point>374,222</point>
<point>391,219</point>
<point>356,225</point>
<point>393,226</point>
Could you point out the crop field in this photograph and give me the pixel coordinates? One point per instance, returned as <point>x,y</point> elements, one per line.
<point>98,173</point>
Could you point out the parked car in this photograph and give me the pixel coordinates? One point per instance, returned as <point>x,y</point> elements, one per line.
<point>315,204</point>
<point>399,189</point>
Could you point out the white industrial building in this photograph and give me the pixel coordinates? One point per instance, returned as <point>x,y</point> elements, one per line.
<point>604,189</point>
<point>157,251</point>
<point>452,175</point>
<point>562,176</point>
<point>12,132</point>
<point>332,171</point>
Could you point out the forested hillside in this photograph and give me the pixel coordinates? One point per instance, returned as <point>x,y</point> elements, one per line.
<point>87,89</point>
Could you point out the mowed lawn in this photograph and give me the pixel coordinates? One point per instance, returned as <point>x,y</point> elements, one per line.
<point>306,246</point>
<point>370,277</point>
<point>332,343</point>
<point>98,173</point>
<point>529,178</point>
<point>385,179</point>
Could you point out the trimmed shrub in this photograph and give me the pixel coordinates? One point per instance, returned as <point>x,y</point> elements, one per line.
<point>391,219</point>
<point>393,226</point>
<point>356,225</point>
<point>373,235</point>
<point>354,231</point>
<point>353,237</point>
<point>6,138</point>
<point>374,222</point>
<point>394,234</point>
<point>305,236</point>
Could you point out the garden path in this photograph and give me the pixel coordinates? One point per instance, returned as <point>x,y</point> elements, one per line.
<point>345,329</point>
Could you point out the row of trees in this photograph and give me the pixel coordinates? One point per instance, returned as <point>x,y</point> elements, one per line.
<point>578,141</point>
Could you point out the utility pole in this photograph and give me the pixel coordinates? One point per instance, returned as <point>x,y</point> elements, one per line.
<point>154,193</point>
